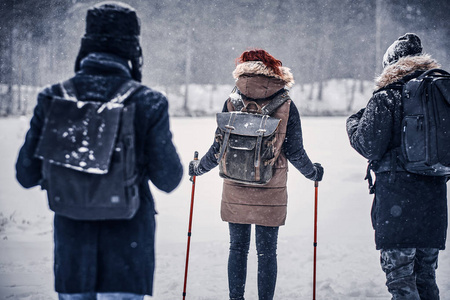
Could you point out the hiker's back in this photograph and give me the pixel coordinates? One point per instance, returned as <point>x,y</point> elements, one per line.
<point>251,136</point>
<point>420,136</point>
<point>87,147</point>
<point>156,158</point>
<point>109,255</point>
<point>241,197</point>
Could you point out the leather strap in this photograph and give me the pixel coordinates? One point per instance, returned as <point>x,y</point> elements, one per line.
<point>268,109</point>
<point>229,128</point>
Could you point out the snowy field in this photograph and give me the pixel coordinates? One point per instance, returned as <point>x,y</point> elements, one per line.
<point>348,264</point>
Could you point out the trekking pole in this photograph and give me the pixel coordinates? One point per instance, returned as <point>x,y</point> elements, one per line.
<point>189,230</point>
<point>316,192</point>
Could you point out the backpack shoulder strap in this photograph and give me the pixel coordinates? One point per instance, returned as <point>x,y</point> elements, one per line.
<point>393,86</point>
<point>273,105</point>
<point>68,90</point>
<point>236,99</point>
<point>432,71</point>
<point>268,109</point>
<point>125,91</point>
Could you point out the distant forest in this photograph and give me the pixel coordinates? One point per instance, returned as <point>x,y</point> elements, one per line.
<point>197,41</point>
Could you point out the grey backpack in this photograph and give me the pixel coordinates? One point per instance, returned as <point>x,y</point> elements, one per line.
<point>246,139</point>
<point>88,152</point>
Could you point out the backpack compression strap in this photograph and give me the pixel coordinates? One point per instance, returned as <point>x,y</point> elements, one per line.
<point>229,128</point>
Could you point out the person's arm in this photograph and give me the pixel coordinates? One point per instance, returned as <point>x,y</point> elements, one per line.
<point>370,129</point>
<point>28,167</point>
<point>294,150</point>
<point>164,168</point>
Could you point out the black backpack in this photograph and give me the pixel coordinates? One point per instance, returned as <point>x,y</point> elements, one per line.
<point>88,152</point>
<point>425,141</point>
<point>247,141</point>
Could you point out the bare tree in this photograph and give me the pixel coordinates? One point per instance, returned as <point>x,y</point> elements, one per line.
<point>378,21</point>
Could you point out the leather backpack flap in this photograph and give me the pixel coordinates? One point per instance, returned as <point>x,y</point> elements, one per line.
<point>247,124</point>
<point>244,133</point>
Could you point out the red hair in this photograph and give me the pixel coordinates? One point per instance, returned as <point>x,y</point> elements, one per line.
<point>262,56</point>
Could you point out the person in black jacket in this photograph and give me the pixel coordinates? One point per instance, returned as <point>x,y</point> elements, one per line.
<point>113,258</point>
<point>409,212</point>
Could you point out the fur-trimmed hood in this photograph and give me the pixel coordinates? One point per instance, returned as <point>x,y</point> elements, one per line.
<point>405,66</point>
<point>259,68</point>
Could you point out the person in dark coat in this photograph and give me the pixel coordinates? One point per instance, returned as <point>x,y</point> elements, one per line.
<point>260,78</point>
<point>409,212</point>
<point>113,259</point>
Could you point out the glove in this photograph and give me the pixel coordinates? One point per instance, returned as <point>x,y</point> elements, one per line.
<point>317,174</point>
<point>195,169</point>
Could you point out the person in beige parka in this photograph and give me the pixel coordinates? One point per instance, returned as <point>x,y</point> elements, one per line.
<point>260,78</point>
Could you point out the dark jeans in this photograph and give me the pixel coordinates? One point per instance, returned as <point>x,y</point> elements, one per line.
<point>411,273</point>
<point>266,248</point>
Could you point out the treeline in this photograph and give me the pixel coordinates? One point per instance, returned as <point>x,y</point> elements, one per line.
<point>196,41</point>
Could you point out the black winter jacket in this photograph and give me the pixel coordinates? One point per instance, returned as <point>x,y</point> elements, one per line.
<point>109,256</point>
<point>409,210</point>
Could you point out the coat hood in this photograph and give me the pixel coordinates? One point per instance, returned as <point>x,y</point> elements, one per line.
<point>405,66</point>
<point>259,68</point>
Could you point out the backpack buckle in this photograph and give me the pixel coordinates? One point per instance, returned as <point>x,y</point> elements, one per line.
<point>252,107</point>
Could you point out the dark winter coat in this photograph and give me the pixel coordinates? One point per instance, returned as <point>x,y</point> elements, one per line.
<point>409,210</point>
<point>109,256</point>
<point>264,205</point>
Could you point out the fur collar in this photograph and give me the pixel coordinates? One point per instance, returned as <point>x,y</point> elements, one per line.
<point>405,66</point>
<point>258,68</point>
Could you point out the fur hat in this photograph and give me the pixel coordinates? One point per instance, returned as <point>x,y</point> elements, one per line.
<point>259,68</point>
<point>406,45</point>
<point>113,27</point>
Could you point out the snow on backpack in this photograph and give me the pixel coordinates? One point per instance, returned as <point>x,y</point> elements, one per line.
<point>247,137</point>
<point>425,141</point>
<point>88,152</point>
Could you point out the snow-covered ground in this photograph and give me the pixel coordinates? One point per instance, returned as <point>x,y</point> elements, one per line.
<point>348,264</point>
